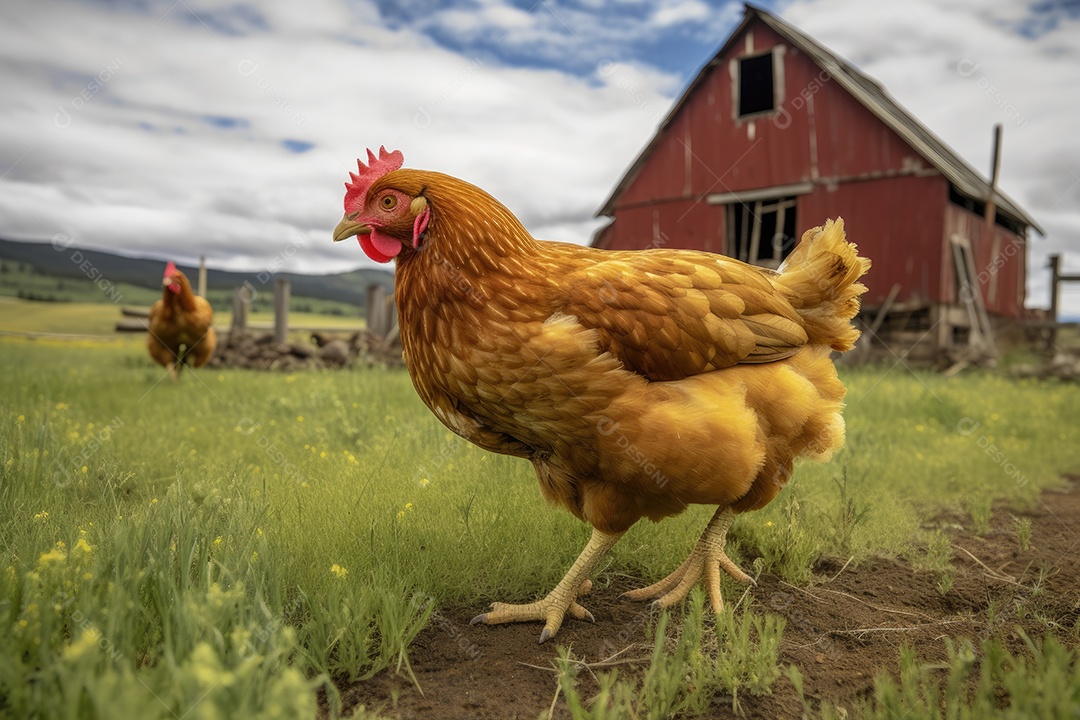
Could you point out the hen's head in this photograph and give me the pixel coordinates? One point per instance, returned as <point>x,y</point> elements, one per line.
<point>384,206</point>
<point>173,278</point>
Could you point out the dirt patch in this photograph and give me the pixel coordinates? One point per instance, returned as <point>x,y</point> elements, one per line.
<point>840,631</point>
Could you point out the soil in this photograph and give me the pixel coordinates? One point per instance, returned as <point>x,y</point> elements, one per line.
<point>841,630</point>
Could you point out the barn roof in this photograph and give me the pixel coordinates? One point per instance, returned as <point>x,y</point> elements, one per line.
<point>965,179</point>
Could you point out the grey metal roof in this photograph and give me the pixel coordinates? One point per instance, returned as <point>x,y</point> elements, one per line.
<point>965,179</point>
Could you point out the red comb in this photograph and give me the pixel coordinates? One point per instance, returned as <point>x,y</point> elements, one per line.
<point>170,269</point>
<point>356,191</point>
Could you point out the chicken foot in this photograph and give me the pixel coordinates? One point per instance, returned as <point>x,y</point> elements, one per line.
<point>706,559</point>
<point>561,601</point>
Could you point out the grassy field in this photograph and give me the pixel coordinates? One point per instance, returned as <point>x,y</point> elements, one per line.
<point>94,318</point>
<point>229,545</point>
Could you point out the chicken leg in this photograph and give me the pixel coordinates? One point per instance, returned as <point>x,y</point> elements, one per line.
<point>560,601</point>
<point>706,559</point>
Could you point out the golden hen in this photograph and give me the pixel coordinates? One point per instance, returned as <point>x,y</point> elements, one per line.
<point>637,383</point>
<point>181,325</point>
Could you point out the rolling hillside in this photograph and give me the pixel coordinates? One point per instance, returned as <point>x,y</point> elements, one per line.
<point>61,274</point>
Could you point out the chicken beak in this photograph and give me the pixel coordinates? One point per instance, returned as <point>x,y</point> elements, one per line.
<point>349,227</point>
<point>167,281</point>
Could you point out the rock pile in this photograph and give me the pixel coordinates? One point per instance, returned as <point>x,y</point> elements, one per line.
<point>322,350</point>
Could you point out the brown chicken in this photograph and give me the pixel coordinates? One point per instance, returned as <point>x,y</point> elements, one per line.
<point>637,383</point>
<point>181,325</point>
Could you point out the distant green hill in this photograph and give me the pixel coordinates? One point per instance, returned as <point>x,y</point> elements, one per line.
<point>40,271</point>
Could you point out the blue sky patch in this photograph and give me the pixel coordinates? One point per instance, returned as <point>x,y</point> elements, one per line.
<point>297,146</point>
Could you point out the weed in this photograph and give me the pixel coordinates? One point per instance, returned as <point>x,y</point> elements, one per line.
<point>1044,682</point>
<point>937,558</point>
<point>981,508</point>
<point>1023,532</point>
<point>848,515</point>
<point>740,657</point>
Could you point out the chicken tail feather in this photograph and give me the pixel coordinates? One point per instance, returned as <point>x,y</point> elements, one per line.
<point>820,279</point>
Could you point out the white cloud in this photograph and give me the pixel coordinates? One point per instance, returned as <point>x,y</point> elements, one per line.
<point>675,13</point>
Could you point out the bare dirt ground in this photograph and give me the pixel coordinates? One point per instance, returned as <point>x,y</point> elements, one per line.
<point>840,631</point>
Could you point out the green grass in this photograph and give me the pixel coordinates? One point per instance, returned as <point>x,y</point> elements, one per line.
<point>23,316</point>
<point>729,654</point>
<point>226,545</point>
<point>989,684</point>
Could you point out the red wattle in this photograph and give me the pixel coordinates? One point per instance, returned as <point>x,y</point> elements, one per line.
<point>388,246</point>
<point>372,251</point>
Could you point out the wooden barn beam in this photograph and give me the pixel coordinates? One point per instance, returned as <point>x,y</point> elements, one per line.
<point>991,211</point>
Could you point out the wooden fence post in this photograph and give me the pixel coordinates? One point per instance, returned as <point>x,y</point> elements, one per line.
<point>241,299</point>
<point>378,320</point>
<point>202,276</point>
<point>281,309</point>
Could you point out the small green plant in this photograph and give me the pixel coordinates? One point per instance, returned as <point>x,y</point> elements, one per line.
<point>790,549</point>
<point>981,508</point>
<point>1043,682</point>
<point>937,558</point>
<point>848,514</point>
<point>686,674</point>
<point>1023,532</point>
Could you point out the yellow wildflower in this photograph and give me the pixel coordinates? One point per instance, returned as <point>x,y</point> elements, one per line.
<point>299,418</point>
<point>62,406</point>
<point>408,506</point>
<point>56,555</point>
<point>153,501</point>
<point>83,546</point>
<point>217,540</point>
<point>43,515</point>
<point>424,482</point>
<point>338,570</point>
<point>83,469</point>
<point>21,419</point>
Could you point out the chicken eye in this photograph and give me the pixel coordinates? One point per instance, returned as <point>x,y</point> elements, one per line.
<point>389,202</point>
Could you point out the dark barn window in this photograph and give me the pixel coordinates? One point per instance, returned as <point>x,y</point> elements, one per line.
<point>761,232</point>
<point>756,85</point>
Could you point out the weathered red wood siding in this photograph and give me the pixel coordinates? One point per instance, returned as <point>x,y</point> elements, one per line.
<point>1010,267</point>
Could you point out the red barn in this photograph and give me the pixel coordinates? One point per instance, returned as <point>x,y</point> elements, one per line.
<point>776,134</point>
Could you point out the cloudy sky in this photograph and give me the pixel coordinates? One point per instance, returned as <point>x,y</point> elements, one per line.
<point>181,127</point>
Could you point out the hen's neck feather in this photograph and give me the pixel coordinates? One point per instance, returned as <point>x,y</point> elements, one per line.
<point>183,300</point>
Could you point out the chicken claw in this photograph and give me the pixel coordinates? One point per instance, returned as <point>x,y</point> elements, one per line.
<point>706,559</point>
<point>551,610</point>
<point>561,601</point>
